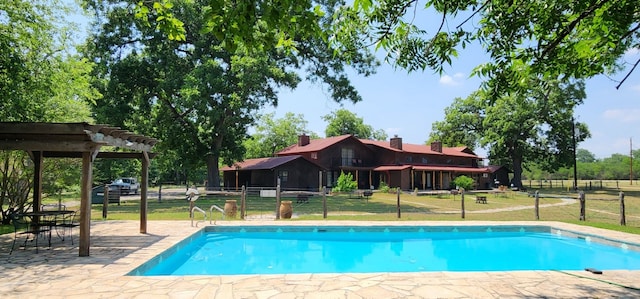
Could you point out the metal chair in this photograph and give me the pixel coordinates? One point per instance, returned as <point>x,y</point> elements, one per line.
<point>69,221</point>
<point>23,227</point>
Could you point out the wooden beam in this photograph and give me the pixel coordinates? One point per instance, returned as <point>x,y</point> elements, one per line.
<point>85,205</point>
<point>51,128</point>
<point>44,145</point>
<point>101,155</point>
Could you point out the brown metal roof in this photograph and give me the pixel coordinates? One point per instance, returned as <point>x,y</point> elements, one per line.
<point>453,169</point>
<point>265,163</point>
<point>421,149</point>
<point>314,145</point>
<point>391,167</point>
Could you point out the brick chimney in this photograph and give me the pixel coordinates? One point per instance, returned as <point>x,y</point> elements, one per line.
<point>303,139</point>
<point>436,146</point>
<point>396,142</point>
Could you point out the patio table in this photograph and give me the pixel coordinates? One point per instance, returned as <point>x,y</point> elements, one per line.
<point>47,218</point>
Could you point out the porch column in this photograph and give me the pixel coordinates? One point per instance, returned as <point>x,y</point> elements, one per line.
<point>144,187</point>
<point>84,241</point>
<point>433,180</point>
<point>413,178</point>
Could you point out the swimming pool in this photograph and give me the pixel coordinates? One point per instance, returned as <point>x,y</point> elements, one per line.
<point>234,250</point>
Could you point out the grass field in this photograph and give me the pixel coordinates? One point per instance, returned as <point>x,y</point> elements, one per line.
<point>602,207</point>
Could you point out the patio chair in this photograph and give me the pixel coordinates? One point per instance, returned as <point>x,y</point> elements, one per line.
<point>23,227</point>
<point>69,221</point>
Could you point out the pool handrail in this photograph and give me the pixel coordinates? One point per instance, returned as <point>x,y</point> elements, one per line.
<point>195,208</point>
<point>211,212</point>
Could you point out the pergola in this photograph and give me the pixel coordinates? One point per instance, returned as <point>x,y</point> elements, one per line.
<point>78,140</point>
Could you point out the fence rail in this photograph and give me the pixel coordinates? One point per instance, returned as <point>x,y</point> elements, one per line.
<point>555,204</point>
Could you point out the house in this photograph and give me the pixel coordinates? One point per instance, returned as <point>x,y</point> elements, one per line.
<point>397,164</point>
<point>294,172</point>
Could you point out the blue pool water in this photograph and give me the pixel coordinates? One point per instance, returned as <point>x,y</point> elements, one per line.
<point>281,250</point>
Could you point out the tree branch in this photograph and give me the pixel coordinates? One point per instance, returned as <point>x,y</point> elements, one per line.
<point>628,74</point>
<point>477,11</point>
<point>567,30</point>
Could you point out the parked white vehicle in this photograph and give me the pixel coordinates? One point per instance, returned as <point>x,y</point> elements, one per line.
<point>127,185</point>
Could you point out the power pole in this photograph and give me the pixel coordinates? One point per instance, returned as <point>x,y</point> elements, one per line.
<point>630,161</point>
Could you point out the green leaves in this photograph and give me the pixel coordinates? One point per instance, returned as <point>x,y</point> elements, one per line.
<point>40,78</point>
<point>342,122</point>
<point>552,39</point>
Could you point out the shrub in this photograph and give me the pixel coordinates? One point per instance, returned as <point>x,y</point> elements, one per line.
<point>464,182</point>
<point>345,183</point>
<point>384,187</point>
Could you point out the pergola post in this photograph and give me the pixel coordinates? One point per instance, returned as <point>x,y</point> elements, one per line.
<point>85,204</point>
<point>143,192</point>
<point>36,157</point>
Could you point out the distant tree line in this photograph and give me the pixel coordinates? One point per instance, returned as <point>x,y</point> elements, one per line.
<point>615,167</point>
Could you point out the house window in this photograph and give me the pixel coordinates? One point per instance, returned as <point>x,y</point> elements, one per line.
<point>347,157</point>
<point>425,161</point>
<point>409,159</point>
<point>314,155</point>
<point>329,178</point>
<point>283,175</point>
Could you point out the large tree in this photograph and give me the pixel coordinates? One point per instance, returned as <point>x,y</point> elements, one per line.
<point>343,121</point>
<point>552,39</point>
<point>537,127</point>
<point>274,134</point>
<point>198,94</point>
<point>41,80</point>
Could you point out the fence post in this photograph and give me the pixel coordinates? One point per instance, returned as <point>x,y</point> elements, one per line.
<point>160,193</point>
<point>583,206</point>
<point>398,203</point>
<point>278,200</point>
<point>243,199</point>
<point>623,220</point>
<point>462,200</point>
<point>105,201</point>
<point>537,205</point>
<point>324,202</point>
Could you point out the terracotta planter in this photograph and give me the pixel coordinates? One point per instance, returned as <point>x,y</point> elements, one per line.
<point>230,208</point>
<point>286,210</point>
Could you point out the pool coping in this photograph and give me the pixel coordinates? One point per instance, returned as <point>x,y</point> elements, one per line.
<point>117,248</point>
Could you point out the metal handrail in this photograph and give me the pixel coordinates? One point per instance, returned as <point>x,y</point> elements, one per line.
<point>211,212</point>
<point>195,208</point>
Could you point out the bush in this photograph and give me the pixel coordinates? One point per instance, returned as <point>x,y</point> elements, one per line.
<point>384,187</point>
<point>345,183</point>
<point>464,182</point>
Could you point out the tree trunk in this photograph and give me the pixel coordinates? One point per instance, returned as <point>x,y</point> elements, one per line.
<point>213,172</point>
<point>517,172</point>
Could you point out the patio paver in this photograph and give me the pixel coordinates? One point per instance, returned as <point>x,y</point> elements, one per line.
<point>117,248</point>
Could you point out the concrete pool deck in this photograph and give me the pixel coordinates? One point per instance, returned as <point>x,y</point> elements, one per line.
<point>117,248</point>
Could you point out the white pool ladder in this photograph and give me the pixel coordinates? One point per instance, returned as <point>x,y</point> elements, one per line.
<point>211,213</point>
<point>195,208</point>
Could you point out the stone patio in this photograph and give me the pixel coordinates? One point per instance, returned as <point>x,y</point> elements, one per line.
<point>117,248</point>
